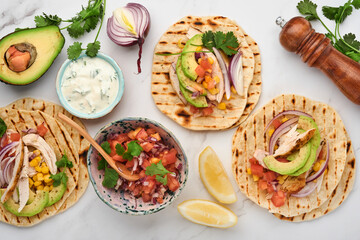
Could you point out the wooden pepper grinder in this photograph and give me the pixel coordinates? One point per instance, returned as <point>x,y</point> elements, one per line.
<point>298,36</point>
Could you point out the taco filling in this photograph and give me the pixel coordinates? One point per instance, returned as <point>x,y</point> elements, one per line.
<point>203,73</point>
<point>296,159</point>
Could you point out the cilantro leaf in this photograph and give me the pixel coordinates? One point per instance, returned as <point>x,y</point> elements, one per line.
<point>161,179</point>
<point>3,127</point>
<point>219,38</point>
<point>110,178</point>
<point>356,4</point>
<point>101,164</point>
<point>74,50</point>
<point>330,12</point>
<point>134,148</point>
<point>119,149</point>
<point>156,169</point>
<point>106,146</point>
<point>47,20</point>
<point>229,44</point>
<point>90,23</point>
<point>92,49</point>
<point>75,30</point>
<point>350,39</point>
<point>308,8</point>
<point>208,40</point>
<point>64,162</point>
<point>59,178</point>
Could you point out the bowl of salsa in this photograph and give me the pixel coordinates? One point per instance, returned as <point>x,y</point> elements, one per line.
<point>147,149</point>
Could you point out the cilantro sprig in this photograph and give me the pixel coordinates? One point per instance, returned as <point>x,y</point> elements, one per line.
<point>159,171</point>
<point>134,150</point>
<point>61,176</point>
<point>85,21</point>
<point>347,44</point>
<point>111,176</point>
<point>227,42</point>
<point>3,127</point>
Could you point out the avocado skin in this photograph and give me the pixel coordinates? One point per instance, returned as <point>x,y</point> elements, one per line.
<point>56,194</point>
<point>35,207</point>
<point>53,43</point>
<point>307,123</point>
<point>184,81</point>
<point>199,102</point>
<point>287,168</point>
<point>188,62</point>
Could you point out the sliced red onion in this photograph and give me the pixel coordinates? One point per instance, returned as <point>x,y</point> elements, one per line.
<point>199,55</point>
<point>236,74</point>
<point>151,139</point>
<point>7,148</point>
<point>288,112</point>
<point>307,190</point>
<point>129,25</point>
<point>224,71</point>
<point>322,170</point>
<point>135,164</point>
<point>281,130</point>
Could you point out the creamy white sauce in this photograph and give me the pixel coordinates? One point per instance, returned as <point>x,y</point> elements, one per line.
<point>90,84</point>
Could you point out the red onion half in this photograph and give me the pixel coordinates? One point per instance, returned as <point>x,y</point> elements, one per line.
<point>224,71</point>
<point>129,25</point>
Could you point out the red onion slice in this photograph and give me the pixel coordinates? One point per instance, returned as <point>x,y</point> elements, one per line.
<point>307,190</point>
<point>288,112</point>
<point>7,148</point>
<point>281,130</point>
<point>236,73</point>
<point>224,71</point>
<point>322,170</point>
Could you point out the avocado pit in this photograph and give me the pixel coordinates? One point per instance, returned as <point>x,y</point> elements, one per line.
<point>20,56</point>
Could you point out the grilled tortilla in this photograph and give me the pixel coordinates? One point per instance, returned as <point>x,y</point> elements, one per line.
<point>163,93</point>
<point>59,140</point>
<point>251,136</point>
<point>81,144</point>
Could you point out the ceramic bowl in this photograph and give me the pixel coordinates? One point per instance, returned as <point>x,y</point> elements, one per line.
<point>108,109</point>
<point>120,200</point>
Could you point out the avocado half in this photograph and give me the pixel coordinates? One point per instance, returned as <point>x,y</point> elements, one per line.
<point>48,42</point>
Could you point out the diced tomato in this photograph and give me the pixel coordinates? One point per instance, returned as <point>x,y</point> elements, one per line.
<point>146,197</point>
<point>172,183</point>
<point>321,154</point>
<point>278,198</point>
<point>270,188</point>
<point>276,123</point>
<point>207,111</point>
<point>145,163</point>
<point>141,135</point>
<point>193,109</point>
<point>14,137</point>
<point>257,169</point>
<point>200,71</point>
<point>131,187</point>
<point>169,157</point>
<point>137,190</point>
<point>142,174</point>
<point>41,129</point>
<point>118,158</point>
<point>150,187</point>
<point>132,134</point>
<point>160,200</point>
<point>269,176</point>
<point>282,160</point>
<point>156,136</point>
<point>253,160</point>
<point>147,146</point>
<point>262,184</point>
<point>122,138</point>
<point>129,164</point>
<point>205,64</point>
<point>150,131</point>
<point>172,168</point>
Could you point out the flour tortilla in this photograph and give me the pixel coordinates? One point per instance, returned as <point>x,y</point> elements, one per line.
<point>59,140</point>
<point>164,95</point>
<point>338,196</point>
<point>81,143</point>
<point>250,136</point>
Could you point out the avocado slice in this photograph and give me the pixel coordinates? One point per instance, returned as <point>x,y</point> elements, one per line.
<point>185,81</point>
<point>188,62</point>
<point>35,207</point>
<point>287,168</point>
<point>43,43</point>
<point>307,123</point>
<point>56,194</point>
<point>199,102</point>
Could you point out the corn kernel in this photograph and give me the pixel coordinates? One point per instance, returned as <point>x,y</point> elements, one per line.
<point>199,60</point>
<point>31,182</point>
<point>233,90</point>
<point>51,187</point>
<point>326,171</point>
<point>271,131</point>
<point>256,178</point>
<point>316,166</point>
<point>40,187</point>
<point>217,79</point>
<point>38,169</point>
<point>47,188</point>
<point>34,178</point>
<point>221,106</point>
<point>214,91</point>
<point>34,163</point>
<point>209,70</point>
<point>210,60</point>
<point>40,177</point>
<point>47,178</point>
<point>282,178</point>
<point>180,44</point>
<point>43,164</point>
<point>45,170</point>
<point>37,183</point>
<point>248,171</point>
<point>276,147</point>
<point>322,162</point>
<point>198,49</point>
<point>205,85</point>
<point>284,119</point>
<point>154,160</point>
<point>37,152</point>
<point>207,78</point>
<point>38,159</point>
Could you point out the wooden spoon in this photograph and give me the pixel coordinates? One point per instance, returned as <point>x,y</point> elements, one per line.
<point>119,167</point>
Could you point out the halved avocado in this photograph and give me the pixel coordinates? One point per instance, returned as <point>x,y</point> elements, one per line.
<point>56,194</point>
<point>41,45</point>
<point>35,207</point>
<point>188,62</point>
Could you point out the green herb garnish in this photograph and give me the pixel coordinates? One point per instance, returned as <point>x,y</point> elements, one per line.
<point>3,127</point>
<point>227,42</point>
<point>61,177</point>
<point>84,21</point>
<point>159,170</point>
<point>102,162</point>
<point>110,178</point>
<point>134,150</point>
<point>346,44</point>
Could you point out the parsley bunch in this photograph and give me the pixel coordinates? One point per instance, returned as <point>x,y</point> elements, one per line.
<point>346,44</point>
<point>227,42</point>
<point>61,177</point>
<point>84,21</point>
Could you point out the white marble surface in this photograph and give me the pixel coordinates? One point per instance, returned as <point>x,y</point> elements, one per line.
<point>283,72</point>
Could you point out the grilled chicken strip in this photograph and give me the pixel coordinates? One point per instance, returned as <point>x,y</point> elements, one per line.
<point>294,184</point>
<point>23,184</point>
